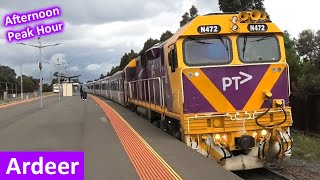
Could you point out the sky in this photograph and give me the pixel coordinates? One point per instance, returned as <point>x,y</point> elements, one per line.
<point>98,32</point>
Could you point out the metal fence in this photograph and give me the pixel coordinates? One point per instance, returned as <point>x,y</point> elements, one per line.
<point>306,112</point>
<point>4,97</point>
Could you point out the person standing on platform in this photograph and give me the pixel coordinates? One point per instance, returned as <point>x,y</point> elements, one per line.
<point>84,93</point>
<point>81,92</point>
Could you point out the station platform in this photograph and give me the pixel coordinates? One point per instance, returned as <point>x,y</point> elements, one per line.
<point>118,144</point>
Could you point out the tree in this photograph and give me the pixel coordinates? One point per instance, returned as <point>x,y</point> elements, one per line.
<point>127,58</point>
<point>148,44</point>
<point>166,35</point>
<point>309,47</point>
<point>292,59</point>
<point>36,83</point>
<point>47,88</point>
<point>240,5</point>
<point>54,81</point>
<point>193,12</point>
<point>189,16</point>
<point>113,70</point>
<point>7,74</point>
<point>29,84</point>
<point>124,61</point>
<point>185,19</point>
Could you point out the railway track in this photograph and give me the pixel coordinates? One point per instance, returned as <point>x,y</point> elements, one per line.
<point>261,174</point>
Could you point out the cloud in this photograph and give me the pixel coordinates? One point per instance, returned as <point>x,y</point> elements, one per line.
<point>99,11</point>
<point>96,34</point>
<point>93,67</point>
<point>74,68</point>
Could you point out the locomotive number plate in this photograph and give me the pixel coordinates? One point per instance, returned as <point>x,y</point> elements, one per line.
<point>257,27</point>
<point>209,29</point>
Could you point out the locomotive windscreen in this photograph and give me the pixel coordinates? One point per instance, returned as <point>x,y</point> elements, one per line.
<point>203,51</point>
<point>261,48</point>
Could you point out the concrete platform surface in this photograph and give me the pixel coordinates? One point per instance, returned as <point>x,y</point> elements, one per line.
<point>111,148</point>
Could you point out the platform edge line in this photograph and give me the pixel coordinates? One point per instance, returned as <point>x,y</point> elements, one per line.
<point>163,162</point>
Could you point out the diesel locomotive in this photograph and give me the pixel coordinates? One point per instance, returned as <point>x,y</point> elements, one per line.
<point>220,84</point>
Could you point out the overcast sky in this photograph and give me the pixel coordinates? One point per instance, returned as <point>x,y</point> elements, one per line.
<point>98,32</point>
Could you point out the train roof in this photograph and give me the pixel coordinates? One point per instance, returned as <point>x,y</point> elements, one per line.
<point>119,72</point>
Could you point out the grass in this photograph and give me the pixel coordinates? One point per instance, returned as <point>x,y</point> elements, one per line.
<point>305,147</point>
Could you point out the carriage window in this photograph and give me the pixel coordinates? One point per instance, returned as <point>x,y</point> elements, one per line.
<point>117,85</point>
<point>121,85</point>
<point>112,86</point>
<point>261,48</point>
<point>203,51</point>
<point>143,60</point>
<point>138,59</point>
<point>104,86</point>
<point>153,53</point>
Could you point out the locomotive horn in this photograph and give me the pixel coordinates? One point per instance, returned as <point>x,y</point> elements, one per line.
<point>244,15</point>
<point>255,15</point>
<point>263,15</point>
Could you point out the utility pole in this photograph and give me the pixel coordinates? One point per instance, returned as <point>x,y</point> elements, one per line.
<point>7,91</point>
<point>40,62</point>
<point>11,89</point>
<point>40,67</point>
<point>59,75</point>
<point>66,80</point>
<point>21,81</point>
<point>15,85</point>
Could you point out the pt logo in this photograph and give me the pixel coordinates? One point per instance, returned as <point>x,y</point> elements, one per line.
<point>228,81</point>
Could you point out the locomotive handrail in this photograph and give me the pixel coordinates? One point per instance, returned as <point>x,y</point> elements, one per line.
<point>288,75</point>
<point>242,119</point>
<point>145,93</point>
<point>136,85</point>
<point>162,90</point>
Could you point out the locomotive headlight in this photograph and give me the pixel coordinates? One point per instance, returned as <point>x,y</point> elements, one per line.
<point>267,94</point>
<point>234,19</point>
<point>234,27</point>
<point>217,137</point>
<point>254,134</point>
<point>196,74</point>
<point>264,132</point>
<point>279,103</point>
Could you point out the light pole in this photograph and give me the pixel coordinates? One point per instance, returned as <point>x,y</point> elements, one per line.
<point>21,81</point>
<point>15,85</point>
<point>40,62</point>
<point>59,77</point>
